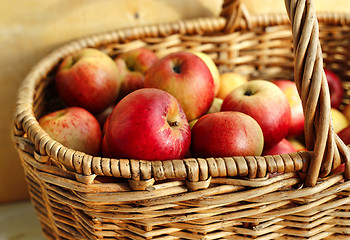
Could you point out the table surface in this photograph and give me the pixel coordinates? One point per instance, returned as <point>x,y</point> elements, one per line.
<point>18,221</point>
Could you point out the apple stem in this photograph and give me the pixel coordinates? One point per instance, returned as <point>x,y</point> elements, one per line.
<point>173,124</point>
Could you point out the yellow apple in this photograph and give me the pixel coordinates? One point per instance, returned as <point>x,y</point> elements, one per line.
<point>339,120</point>
<point>212,67</point>
<point>297,144</point>
<point>346,112</point>
<point>228,82</point>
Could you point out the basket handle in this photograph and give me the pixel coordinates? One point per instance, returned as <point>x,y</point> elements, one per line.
<point>236,15</point>
<point>329,150</point>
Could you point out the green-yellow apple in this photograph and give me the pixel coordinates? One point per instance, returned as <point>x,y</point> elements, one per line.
<point>89,79</point>
<point>283,147</point>
<point>212,67</point>
<point>266,103</point>
<point>339,120</point>
<point>75,128</point>
<point>216,105</point>
<point>133,66</point>
<point>290,90</point>
<point>147,124</point>
<point>228,82</point>
<point>335,88</point>
<point>225,134</point>
<point>185,76</point>
<point>192,122</point>
<point>346,112</point>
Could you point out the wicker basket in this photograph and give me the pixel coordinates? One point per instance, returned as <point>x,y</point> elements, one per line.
<point>78,196</point>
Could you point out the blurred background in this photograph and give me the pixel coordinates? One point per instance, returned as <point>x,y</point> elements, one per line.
<point>31,29</point>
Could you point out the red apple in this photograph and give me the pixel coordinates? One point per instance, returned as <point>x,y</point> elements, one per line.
<point>148,124</point>
<point>345,135</point>
<point>105,152</point>
<point>297,115</point>
<point>89,79</point>
<point>266,103</point>
<point>335,88</point>
<point>213,69</point>
<point>133,66</point>
<point>283,147</point>
<point>339,169</point>
<point>225,134</point>
<point>185,76</point>
<point>75,128</point>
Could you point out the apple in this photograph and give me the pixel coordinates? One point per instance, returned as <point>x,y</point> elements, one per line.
<point>102,117</point>
<point>335,88</point>
<point>216,105</point>
<point>290,90</point>
<point>228,82</point>
<point>344,135</point>
<point>185,76</point>
<point>75,128</point>
<point>339,169</point>
<point>89,78</point>
<point>105,152</point>
<point>224,134</point>
<point>133,66</point>
<point>266,103</point>
<point>346,112</point>
<point>339,120</point>
<point>148,124</point>
<point>297,144</point>
<point>283,147</point>
<point>192,122</point>
<point>212,67</point>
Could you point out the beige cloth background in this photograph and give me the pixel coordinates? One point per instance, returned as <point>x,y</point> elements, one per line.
<point>30,29</point>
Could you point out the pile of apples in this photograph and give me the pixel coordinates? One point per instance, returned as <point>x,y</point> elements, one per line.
<point>139,106</point>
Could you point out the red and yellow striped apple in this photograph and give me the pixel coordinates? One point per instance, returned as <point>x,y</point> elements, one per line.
<point>266,103</point>
<point>75,128</point>
<point>89,79</point>
<point>133,66</point>
<point>147,124</point>
<point>224,134</point>
<point>185,76</point>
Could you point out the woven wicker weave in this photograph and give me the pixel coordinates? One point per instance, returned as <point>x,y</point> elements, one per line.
<point>78,196</point>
